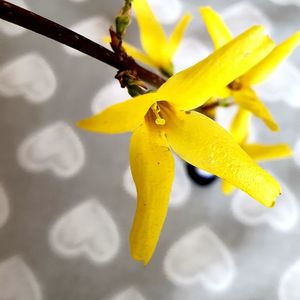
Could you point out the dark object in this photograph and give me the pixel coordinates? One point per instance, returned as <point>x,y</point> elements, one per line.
<point>200,177</point>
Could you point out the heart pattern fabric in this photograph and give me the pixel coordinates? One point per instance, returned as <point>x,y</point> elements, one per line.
<point>283,216</point>
<point>29,76</point>
<point>128,294</point>
<point>55,148</point>
<point>86,230</point>
<point>289,284</point>
<point>66,209</point>
<point>4,206</point>
<point>17,281</point>
<point>200,256</point>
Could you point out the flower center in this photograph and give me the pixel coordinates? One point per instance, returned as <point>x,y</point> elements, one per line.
<point>158,119</point>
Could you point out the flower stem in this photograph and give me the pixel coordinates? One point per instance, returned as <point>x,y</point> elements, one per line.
<point>59,33</point>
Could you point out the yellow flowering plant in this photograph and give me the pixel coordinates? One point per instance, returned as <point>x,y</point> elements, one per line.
<point>158,49</point>
<point>239,129</point>
<point>163,120</point>
<point>240,89</point>
<point>166,121</point>
<point>173,118</point>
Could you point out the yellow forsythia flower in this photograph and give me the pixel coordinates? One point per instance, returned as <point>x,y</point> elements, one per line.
<point>240,89</point>
<point>258,152</point>
<point>159,50</point>
<point>162,120</point>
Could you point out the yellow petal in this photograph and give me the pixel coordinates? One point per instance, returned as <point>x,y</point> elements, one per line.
<point>227,188</point>
<point>139,55</point>
<point>177,34</point>
<point>240,125</point>
<point>268,152</point>
<point>262,70</point>
<point>152,36</point>
<point>224,93</point>
<point>121,117</point>
<point>247,99</point>
<point>217,29</point>
<point>192,87</point>
<point>152,167</point>
<point>203,143</point>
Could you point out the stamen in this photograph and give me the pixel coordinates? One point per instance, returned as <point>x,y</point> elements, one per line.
<point>156,110</point>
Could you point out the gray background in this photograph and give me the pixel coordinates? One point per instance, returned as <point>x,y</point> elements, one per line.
<point>262,254</point>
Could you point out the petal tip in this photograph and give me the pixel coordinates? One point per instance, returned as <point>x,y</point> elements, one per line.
<point>80,124</point>
<point>273,126</point>
<point>144,259</point>
<point>276,194</point>
<point>204,9</point>
<point>296,35</point>
<point>258,29</point>
<point>84,124</point>
<point>188,16</point>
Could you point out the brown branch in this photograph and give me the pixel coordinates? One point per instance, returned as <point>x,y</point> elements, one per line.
<point>52,30</point>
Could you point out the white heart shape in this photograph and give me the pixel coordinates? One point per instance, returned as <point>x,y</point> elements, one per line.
<point>190,51</point>
<point>289,288</point>
<point>30,76</point>
<point>181,188</point>
<point>129,294</point>
<point>283,216</point>
<point>242,15</point>
<point>56,148</point>
<point>287,2</point>
<point>12,29</point>
<point>200,256</point>
<point>108,95</point>
<point>86,230</point>
<point>4,206</point>
<point>297,152</point>
<point>94,28</point>
<point>17,281</point>
<point>282,85</point>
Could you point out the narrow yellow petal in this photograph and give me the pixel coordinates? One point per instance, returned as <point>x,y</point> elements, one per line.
<point>227,188</point>
<point>240,125</point>
<point>247,99</point>
<point>176,36</point>
<point>268,152</point>
<point>217,29</point>
<point>152,167</point>
<point>152,36</point>
<point>203,143</point>
<point>224,93</point>
<point>263,69</point>
<point>122,117</point>
<point>192,87</point>
<point>139,55</point>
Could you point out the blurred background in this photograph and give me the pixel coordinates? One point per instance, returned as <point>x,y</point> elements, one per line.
<point>66,196</point>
